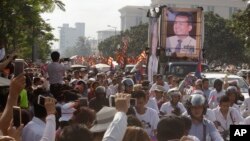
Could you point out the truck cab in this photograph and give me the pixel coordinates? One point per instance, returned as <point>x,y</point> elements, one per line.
<point>181,69</point>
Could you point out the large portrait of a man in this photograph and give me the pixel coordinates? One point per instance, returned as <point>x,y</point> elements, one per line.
<point>183,32</point>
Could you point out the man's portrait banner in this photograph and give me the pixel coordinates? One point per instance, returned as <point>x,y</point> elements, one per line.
<point>182,32</point>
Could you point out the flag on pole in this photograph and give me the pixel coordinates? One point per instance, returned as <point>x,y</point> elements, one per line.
<point>198,68</point>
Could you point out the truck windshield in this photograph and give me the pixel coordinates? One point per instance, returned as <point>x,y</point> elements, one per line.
<point>182,70</point>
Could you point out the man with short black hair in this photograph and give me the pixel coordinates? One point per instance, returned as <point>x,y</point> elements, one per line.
<point>56,72</point>
<point>43,124</point>
<point>205,87</point>
<point>148,116</point>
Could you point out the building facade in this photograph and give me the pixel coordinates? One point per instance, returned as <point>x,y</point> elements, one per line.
<point>104,34</point>
<point>69,35</point>
<point>225,8</point>
<point>133,16</point>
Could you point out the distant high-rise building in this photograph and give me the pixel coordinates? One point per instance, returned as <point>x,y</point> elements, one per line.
<point>69,35</point>
<point>225,8</point>
<point>133,16</point>
<point>104,34</point>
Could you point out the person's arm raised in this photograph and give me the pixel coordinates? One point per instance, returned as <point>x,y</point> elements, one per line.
<point>6,62</point>
<point>49,133</point>
<point>16,85</point>
<point>118,126</point>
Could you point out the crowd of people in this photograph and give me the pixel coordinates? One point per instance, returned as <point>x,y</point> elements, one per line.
<point>162,111</point>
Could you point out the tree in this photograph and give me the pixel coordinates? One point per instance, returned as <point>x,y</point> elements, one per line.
<point>241,28</point>
<point>138,36</point>
<point>81,48</point>
<point>220,44</point>
<point>21,26</point>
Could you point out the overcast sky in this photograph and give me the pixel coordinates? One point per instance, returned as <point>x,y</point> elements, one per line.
<point>96,14</point>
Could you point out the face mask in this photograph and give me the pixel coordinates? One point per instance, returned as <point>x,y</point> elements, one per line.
<point>2,53</point>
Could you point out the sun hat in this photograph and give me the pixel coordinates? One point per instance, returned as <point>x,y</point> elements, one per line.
<point>103,119</point>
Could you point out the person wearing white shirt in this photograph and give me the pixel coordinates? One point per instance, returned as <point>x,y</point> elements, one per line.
<point>118,126</point>
<point>247,121</point>
<point>202,128</point>
<point>214,96</point>
<point>232,93</point>
<point>159,81</point>
<point>149,117</point>
<point>173,106</point>
<point>41,128</point>
<point>56,72</point>
<point>226,115</point>
<point>209,115</point>
<point>245,107</point>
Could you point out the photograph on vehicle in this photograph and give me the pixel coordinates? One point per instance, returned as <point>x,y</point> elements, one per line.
<point>182,32</point>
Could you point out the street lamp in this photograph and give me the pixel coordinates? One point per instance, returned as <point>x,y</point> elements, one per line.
<point>113,28</point>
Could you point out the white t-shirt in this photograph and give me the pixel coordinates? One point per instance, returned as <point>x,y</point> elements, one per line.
<point>233,117</point>
<point>167,108</point>
<point>56,72</point>
<point>152,104</point>
<point>245,107</point>
<point>210,115</point>
<point>214,97</point>
<point>149,120</point>
<point>247,121</point>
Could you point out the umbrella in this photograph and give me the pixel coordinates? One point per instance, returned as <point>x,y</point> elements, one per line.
<point>102,67</point>
<point>77,66</point>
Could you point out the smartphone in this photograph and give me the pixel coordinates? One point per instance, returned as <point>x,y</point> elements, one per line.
<point>18,66</point>
<point>41,100</point>
<point>112,100</point>
<point>133,102</point>
<point>83,101</point>
<point>17,118</point>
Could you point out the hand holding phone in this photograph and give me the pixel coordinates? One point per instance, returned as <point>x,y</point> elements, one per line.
<point>18,67</point>
<point>83,101</point>
<point>17,118</point>
<point>112,100</point>
<point>41,100</point>
<point>50,105</point>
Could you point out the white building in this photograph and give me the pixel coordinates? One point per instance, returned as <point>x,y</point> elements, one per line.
<point>104,34</point>
<point>225,8</point>
<point>69,35</point>
<point>133,16</point>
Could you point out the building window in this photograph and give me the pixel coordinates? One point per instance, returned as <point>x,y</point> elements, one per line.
<point>210,8</point>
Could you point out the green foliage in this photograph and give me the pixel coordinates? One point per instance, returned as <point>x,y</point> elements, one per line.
<point>21,26</point>
<point>81,48</point>
<point>240,24</point>
<point>138,36</point>
<point>220,43</point>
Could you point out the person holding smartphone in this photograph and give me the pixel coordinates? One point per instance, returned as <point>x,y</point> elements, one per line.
<point>16,85</point>
<point>42,127</point>
<point>56,72</point>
